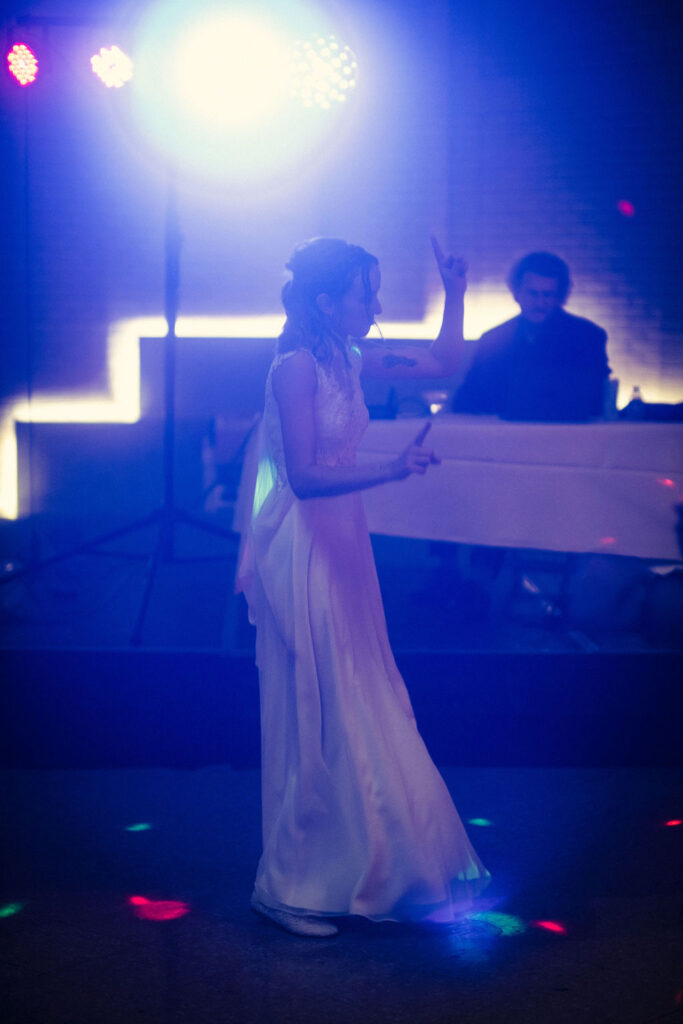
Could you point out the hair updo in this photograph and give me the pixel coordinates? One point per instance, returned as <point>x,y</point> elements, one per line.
<point>321,266</point>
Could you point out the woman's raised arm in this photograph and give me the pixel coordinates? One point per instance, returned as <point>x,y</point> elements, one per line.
<point>443,357</point>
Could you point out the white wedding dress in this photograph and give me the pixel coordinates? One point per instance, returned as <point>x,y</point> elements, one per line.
<point>356,818</point>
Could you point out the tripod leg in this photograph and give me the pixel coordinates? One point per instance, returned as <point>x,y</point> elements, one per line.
<point>80,549</point>
<point>201,524</point>
<point>150,575</point>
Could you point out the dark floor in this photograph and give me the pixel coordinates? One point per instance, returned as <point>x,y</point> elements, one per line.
<point>581,925</point>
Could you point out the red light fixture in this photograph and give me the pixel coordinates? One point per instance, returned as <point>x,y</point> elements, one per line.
<point>22,64</point>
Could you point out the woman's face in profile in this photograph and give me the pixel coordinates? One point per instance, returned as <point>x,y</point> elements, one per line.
<point>356,312</point>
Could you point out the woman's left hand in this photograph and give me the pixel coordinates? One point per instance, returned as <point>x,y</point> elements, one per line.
<point>453,270</point>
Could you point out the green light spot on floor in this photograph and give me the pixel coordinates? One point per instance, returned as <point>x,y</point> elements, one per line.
<point>10,909</point>
<point>507,924</point>
<point>481,822</point>
<point>141,826</point>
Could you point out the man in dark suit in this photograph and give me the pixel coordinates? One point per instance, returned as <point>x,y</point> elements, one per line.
<point>544,364</point>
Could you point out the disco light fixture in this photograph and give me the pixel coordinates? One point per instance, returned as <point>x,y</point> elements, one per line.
<point>324,71</point>
<point>112,66</point>
<point>23,64</point>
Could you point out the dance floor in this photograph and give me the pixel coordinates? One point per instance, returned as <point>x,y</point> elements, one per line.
<point>130,792</point>
<point>581,924</point>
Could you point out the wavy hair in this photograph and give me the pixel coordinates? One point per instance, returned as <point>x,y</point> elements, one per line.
<point>320,266</point>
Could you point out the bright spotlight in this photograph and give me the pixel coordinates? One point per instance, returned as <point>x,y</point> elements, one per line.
<point>231,70</point>
<point>213,88</point>
<point>112,66</point>
<point>23,64</point>
<point>323,72</point>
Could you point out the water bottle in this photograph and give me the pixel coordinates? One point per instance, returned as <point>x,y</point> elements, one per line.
<point>635,405</point>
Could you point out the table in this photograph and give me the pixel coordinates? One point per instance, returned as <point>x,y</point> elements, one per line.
<point>609,488</point>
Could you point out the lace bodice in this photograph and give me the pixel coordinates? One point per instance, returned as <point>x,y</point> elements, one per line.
<point>341,415</point>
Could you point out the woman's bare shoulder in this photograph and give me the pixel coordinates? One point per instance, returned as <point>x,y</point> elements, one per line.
<point>294,371</point>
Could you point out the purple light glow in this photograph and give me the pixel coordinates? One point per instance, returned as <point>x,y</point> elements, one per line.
<point>626,208</point>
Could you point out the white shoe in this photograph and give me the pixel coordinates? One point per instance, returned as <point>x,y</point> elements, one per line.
<point>298,925</point>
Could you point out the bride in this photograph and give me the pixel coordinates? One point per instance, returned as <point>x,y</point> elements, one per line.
<point>356,818</point>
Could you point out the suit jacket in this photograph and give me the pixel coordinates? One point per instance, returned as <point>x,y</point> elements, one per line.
<point>557,373</point>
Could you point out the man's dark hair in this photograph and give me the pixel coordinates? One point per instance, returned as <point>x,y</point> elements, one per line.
<point>545,264</point>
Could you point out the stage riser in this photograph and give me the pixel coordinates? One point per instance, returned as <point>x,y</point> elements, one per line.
<point>85,709</point>
<point>96,471</point>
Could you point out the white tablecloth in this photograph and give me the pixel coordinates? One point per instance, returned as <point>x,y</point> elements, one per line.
<point>603,487</point>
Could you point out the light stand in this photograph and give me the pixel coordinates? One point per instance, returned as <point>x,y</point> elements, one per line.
<point>168,515</point>
<point>326,74</point>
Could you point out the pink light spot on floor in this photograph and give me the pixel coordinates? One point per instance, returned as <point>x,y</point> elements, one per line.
<point>157,910</point>
<point>626,208</point>
<point>606,541</point>
<point>673,822</point>
<point>551,926</point>
<point>665,481</point>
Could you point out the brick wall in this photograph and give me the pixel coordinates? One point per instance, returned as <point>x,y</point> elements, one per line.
<point>505,127</point>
